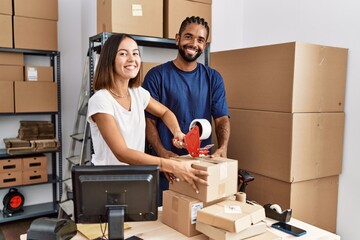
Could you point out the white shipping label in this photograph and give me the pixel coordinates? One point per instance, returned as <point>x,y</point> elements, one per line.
<point>137,10</point>
<point>32,74</point>
<point>232,209</point>
<point>195,208</point>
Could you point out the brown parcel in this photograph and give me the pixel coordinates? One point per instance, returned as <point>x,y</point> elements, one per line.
<point>222,178</point>
<point>268,235</point>
<point>231,215</point>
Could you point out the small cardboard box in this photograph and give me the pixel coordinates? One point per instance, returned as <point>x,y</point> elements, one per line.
<point>10,165</point>
<point>287,146</point>
<point>36,97</point>
<point>8,179</point>
<point>40,162</point>
<point>6,31</point>
<point>11,73</point>
<point>312,201</point>
<point>288,77</point>
<point>34,176</point>
<point>6,97</point>
<point>43,9</point>
<point>39,73</point>
<point>6,7</point>
<point>222,179</point>
<point>11,58</point>
<point>36,34</point>
<point>175,11</point>
<point>131,17</point>
<point>230,215</point>
<point>220,234</point>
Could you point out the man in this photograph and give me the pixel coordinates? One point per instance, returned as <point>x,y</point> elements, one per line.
<point>191,90</point>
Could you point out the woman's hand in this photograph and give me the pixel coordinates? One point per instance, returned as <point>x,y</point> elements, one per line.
<point>178,140</point>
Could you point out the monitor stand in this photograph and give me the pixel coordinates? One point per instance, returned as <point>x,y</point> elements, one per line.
<point>116,215</point>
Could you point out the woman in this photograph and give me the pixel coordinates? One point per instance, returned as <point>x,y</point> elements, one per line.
<point>116,113</point>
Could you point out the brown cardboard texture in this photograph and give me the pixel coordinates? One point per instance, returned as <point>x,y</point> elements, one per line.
<point>36,97</point>
<point>11,58</point>
<point>39,73</point>
<point>36,34</point>
<point>141,17</point>
<point>222,178</point>
<point>32,163</point>
<point>220,234</point>
<point>268,235</point>
<point>175,11</point>
<point>145,67</point>
<point>313,201</point>
<point>6,97</point>
<point>6,7</point>
<point>34,176</point>
<point>43,9</point>
<point>288,77</point>
<point>8,179</point>
<point>230,215</point>
<point>180,212</point>
<point>6,31</point>
<point>10,165</point>
<point>11,73</point>
<point>290,147</point>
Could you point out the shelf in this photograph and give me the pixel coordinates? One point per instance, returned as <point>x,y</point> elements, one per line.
<point>51,179</point>
<point>28,51</point>
<point>4,154</point>
<point>31,211</point>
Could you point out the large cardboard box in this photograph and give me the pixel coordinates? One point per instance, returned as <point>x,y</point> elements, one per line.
<point>6,31</point>
<point>36,34</point>
<point>39,73</point>
<point>290,147</point>
<point>222,179</point>
<point>6,97</point>
<point>11,58</point>
<point>11,73</point>
<point>312,201</point>
<point>288,77</point>
<point>141,17</point>
<point>43,9</point>
<point>175,11</point>
<point>36,97</point>
<point>6,7</point>
<point>230,215</point>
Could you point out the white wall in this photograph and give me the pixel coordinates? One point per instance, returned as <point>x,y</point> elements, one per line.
<point>238,24</point>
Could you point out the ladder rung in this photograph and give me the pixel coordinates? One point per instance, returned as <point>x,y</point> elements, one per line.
<point>78,136</point>
<point>74,159</point>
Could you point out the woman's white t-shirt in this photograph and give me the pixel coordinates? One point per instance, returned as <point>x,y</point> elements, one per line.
<point>131,123</point>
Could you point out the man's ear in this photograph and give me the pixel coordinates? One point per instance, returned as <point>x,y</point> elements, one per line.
<point>177,39</point>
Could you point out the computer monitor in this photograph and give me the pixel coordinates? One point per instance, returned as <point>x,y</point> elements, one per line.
<point>115,194</point>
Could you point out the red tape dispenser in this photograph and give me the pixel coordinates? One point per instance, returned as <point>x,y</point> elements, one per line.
<point>199,129</point>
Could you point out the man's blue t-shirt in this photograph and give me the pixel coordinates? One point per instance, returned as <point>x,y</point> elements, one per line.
<point>190,95</point>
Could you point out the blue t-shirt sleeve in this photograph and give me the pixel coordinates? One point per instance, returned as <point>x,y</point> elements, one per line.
<point>219,105</point>
<point>151,83</point>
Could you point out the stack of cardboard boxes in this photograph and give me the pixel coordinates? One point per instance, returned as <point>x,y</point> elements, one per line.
<point>287,124</point>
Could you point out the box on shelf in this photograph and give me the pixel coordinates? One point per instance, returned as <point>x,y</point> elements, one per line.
<point>231,215</point>
<point>290,147</point>
<point>312,201</point>
<point>11,73</point>
<point>6,7</point>
<point>31,163</point>
<point>36,97</point>
<point>43,9</point>
<point>11,58</point>
<point>131,17</point>
<point>39,73</point>
<point>175,11</point>
<point>222,179</point>
<point>6,31</point>
<point>34,176</point>
<point>8,179</point>
<point>36,34</point>
<point>6,97</point>
<point>288,77</point>
<point>10,165</point>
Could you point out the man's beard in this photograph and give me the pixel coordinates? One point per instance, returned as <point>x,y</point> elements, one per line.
<point>186,57</point>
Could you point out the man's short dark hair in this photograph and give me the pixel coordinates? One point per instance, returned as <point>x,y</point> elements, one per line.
<point>193,19</point>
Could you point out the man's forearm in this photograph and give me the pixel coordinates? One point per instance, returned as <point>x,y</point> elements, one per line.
<point>152,136</point>
<point>222,129</point>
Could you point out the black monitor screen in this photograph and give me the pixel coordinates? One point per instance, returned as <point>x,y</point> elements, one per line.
<point>115,194</point>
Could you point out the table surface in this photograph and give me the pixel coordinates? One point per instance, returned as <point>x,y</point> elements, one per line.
<point>156,230</point>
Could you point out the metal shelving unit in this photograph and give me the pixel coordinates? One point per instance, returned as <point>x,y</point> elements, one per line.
<point>55,177</point>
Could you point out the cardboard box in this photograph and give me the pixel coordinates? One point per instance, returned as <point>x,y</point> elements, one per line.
<point>141,17</point>
<point>39,73</point>
<point>180,212</point>
<point>9,179</point>
<point>34,176</point>
<point>11,73</point>
<point>312,201</point>
<point>11,58</point>
<point>43,9</point>
<point>6,97</point>
<point>220,234</point>
<point>230,215</point>
<point>222,178</point>
<point>6,7</point>
<point>36,34</point>
<point>290,147</point>
<point>145,67</point>
<point>6,31</point>
<point>175,11</point>
<point>10,165</point>
<point>288,77</point>
<point>267,235</point>
<point>31,163</point>
<point>36,97</point>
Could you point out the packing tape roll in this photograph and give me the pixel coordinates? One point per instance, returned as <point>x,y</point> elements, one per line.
<point>204,125</point>
<point>276,208</point>
<point>240,197</point>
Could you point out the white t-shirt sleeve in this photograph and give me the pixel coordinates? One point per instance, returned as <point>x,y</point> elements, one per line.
<point>99,103</point>
<point>145,96</point>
